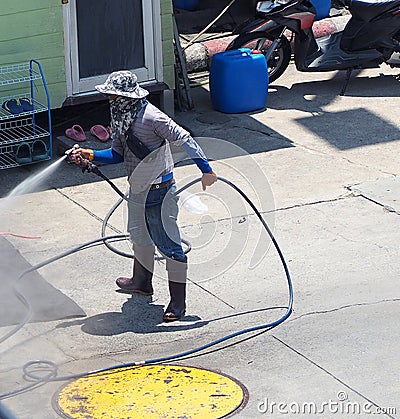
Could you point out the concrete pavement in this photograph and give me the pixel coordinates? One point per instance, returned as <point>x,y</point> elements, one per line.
<point>323,169</point>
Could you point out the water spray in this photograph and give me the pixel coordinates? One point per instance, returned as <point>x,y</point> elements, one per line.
<point>32,182</point>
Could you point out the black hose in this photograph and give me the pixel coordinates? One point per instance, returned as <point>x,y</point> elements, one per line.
<point>120,252</point>
<point>52,375</point>
<point>98,172</point>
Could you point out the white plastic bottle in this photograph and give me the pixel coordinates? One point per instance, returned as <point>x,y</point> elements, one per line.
<point>192,203</point>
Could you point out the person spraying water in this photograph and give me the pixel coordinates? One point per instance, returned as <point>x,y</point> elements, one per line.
<point>141,136</point>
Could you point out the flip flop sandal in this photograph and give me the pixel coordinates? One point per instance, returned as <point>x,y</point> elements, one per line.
<point>100,132</point>
<point>23,153</point>
<point>26,104</point>
<point>39,150</point>
<point>12,106</point>
<point>76,133</point>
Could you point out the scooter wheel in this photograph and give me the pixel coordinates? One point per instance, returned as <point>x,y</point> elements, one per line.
<point>280,58</point>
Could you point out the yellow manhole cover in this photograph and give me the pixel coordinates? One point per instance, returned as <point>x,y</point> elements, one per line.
<point>152,391</point>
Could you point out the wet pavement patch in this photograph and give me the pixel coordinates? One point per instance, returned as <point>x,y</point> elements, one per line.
<point>46,302</point>
<point>151,391</point>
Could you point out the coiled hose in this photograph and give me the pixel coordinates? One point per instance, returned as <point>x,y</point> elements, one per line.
<point>52,374</point>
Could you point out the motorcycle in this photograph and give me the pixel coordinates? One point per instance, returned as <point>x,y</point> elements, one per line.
<point>370,37</point>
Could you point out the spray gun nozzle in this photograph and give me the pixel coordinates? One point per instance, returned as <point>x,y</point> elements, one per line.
<point>69,152</point>
<point>85,164</point>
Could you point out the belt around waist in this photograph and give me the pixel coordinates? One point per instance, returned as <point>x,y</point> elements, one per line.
<point>162,184</point>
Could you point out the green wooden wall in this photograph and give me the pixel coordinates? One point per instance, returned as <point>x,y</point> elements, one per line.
<point>33,29</point>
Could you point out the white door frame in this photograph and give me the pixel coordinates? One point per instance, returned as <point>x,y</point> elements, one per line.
<point>152,71</point>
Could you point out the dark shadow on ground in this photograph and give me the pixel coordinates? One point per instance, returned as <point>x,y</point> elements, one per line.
<point>138,315</point>
<point>241,130</point>
<point>314,95</point>
<point>346,135</point>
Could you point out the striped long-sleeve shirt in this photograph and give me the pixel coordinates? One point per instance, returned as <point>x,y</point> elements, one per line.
<point>152,127</point>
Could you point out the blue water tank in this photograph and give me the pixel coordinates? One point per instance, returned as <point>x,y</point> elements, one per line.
<point>323,8</point>
<point>238,81</point>
<point>186,4</point>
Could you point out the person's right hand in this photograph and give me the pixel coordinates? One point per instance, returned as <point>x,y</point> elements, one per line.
<point>77,154</point>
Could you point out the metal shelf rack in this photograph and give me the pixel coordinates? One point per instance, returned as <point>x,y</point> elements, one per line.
<point>21,127</point>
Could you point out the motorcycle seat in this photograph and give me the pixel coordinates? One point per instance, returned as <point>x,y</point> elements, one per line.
<point>366,10</point>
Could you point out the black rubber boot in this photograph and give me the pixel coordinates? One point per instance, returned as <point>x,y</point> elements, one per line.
<point>177,271</point>
<point>143,265</point>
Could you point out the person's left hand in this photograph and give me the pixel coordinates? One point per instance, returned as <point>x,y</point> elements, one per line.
<point>208,179</point>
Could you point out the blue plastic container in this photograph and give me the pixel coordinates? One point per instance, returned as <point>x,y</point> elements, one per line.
<point>238,81</point>
<point>186,4</point>
<point>323,8</point>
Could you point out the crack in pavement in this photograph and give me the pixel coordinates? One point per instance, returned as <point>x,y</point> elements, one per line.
<point>211,293</point>
<point>307,204</point>
<point>92,214</point>
<point>386,207</point>
<point>311,313</point>
<point>249,214</point>
<point>350,195</point>
<point>346,159</point>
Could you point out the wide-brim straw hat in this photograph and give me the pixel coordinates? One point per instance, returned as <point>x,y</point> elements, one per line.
<point>122,83</point>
